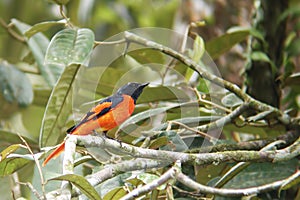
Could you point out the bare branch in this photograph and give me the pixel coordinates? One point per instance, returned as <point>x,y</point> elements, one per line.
<point>200,159</point>
<point>225,120</point>
<point>255,104</point>
<point>169,175</point>
<point>230,192</point>
<point>125,166</point>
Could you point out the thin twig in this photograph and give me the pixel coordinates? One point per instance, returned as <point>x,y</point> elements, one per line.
<point>61,11</point>
<point>33,190</point>
<point>37,165</point>
<point>201,99</point>
<point>204,135</point>
<point>121,41</point>
<point>9,29</point>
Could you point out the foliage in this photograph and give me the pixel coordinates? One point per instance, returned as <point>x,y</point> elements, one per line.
<point>52,71</point>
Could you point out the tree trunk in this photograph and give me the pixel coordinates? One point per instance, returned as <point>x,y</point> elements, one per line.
<point>262,76</point>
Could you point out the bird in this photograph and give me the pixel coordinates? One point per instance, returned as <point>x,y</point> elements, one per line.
<point>106,115</point>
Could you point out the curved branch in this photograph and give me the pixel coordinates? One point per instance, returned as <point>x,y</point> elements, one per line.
<point>169,175</point>
<point>231,192</point>
<point>119,168</point>
<point>255,104</point>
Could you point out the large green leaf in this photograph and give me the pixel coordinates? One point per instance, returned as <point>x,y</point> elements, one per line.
<point>81,183</point>
<point>11,137</point>
<point>38,45</point>
<point>220,45</point>
<point>58,108</point>
<point>70,46</point>
<point>110,189</point>
<point>263,173</point>
<point>14,85</point>
<point>12,164</point>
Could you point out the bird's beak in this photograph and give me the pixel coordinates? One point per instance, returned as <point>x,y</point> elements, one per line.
<point>144,85</point>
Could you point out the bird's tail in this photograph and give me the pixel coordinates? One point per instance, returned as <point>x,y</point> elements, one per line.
<point>55,153</point>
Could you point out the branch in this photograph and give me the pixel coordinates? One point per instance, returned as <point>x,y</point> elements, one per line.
<point>255,104</point>
<point>288,139</point>
<point>119,168</point>
<point>199,159</point>
<point>64,192</point>
<point>236,169</point>
<point>9,29</point>
<point>231,192</point>
<point>169,175</point>
<point>225,120</point>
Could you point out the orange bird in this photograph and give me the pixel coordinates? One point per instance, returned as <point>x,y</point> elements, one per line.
<point>106,115</point>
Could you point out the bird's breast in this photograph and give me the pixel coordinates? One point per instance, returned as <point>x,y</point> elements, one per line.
<point>117,115</point>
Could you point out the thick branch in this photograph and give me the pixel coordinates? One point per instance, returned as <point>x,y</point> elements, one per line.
<point>119,168</point>
<point>288,139</point>
<point>200,159</point>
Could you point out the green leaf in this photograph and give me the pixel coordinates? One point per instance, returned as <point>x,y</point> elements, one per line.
<point>12,164</point>
<point>231,100</point>
<point>9,150</point>
<point>14,85</point>
<point>291,181</point>
<point>264,131</point>
<point>154,94</point>
<point>58,108</point>
<point>41,96</point>
<point>38,45</point>
<point>196,54</point>
<point>116,193</point>
<point>175,142</point>
<point>145,115</point>
<point>222,44</point>
<point>8,136</point>
<point>43,26</point>
<point>110,187</point>
<point>81,183</point>
<point>70,46</point>
<point>260,56</point>
<point>146,56</point>
<point>158,142</point>
<point>198,49</point>
<point>263,173</point>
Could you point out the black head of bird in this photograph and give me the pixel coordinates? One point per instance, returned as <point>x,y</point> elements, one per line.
<point>132,89</point>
